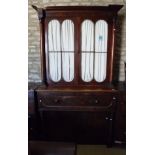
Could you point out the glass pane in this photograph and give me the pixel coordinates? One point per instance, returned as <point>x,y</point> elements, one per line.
<point>68,50</point>
<point>54,50</point>
<point>101,36</point>
<point>87,50</point>
<point>100,66</point>
<point>87,66</point>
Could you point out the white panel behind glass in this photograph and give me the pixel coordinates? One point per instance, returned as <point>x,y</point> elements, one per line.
<point>54,50</point>
<point>100,66</point>
<point>67,35</point>
<point>87,50</point>
<point>101,36</point>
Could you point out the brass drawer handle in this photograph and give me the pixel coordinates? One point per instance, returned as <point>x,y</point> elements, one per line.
<point>96,101</point>
<point>56,101</point>
<point>114,98</point>
<point>106,118</point>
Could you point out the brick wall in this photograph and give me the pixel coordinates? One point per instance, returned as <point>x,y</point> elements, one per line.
<point>33,35</point>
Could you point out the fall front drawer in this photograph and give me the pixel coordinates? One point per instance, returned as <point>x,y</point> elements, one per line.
<point>75,100</point>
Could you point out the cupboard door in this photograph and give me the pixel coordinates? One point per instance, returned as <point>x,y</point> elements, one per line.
<point>61,50</point>
<point>101,35</point>
<point>87,50</point>
<point>67,45</point>
<point>54,46</point>
<point>94,50</point>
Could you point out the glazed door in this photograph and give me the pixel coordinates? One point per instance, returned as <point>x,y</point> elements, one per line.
<point>61,50</point>
<point>94,36</point>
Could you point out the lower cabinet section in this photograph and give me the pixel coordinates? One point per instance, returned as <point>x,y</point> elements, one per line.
<point>80,117</point>
<point>80,127</point>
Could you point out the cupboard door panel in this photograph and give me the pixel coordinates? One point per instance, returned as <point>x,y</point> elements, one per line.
<point>87,30</point>
<point>54,50</point>
<point>67,33</point>
<point>101,35</point>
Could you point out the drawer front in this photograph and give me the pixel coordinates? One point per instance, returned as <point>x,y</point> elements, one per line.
<point>46,99</point>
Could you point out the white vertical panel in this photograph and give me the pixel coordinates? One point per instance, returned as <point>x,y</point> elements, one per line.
<point>54,50</point>
<point>67,50</point>
<point>101,36</point>
<point>87,48</point>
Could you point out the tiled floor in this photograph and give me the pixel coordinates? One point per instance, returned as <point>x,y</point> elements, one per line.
<point>99,150</point>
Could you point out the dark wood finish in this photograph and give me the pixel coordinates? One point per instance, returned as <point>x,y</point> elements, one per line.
<point>78,111</point>
<point>120,119</point>
<point>82,116</point>
<point>84,127</point>
<point>75,101</point>
<point>79,122</point>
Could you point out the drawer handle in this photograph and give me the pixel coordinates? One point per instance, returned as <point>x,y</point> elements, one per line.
<point>96,101</point>
<point>40,100</point>
<point>56,101</point>
<point>114,98</point>
<point>106,118</point>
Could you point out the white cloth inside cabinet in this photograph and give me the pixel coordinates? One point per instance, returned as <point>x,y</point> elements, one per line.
<point>54,50</point>
<point>93,50</point>
<point>101,37</point>
<point>87,50</point>
<point>94,65</point>
<point>61,39</point>
<point>68,50</point>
